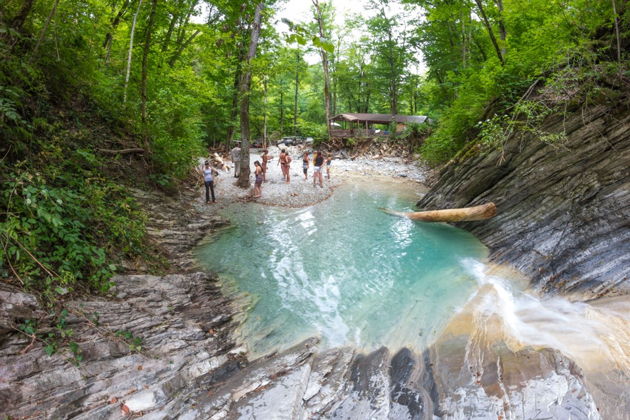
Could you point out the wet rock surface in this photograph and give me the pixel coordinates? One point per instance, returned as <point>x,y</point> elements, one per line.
<point>563,209</point>
<point>187,364</point>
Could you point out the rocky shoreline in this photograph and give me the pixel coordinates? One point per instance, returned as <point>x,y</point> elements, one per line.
<point>562,210</point>
<point>188,365</point>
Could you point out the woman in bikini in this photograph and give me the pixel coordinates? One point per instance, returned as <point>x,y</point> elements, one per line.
<point>265,158</point>
<point>258,173</point>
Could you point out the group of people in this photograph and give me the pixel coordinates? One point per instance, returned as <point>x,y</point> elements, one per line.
<point>319,160</point>
<point>260,169</point>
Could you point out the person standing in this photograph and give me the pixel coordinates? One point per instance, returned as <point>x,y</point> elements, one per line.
<point>318,162</point>
<point>305,164</point>
<point>258,173</point>
<point>208,180</point>
<point>235,154</point>
<point>287,166</point>
<point>281,163</point>
<point>265,159</point>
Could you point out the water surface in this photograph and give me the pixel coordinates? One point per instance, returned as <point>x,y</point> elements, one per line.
<point>344,270</point>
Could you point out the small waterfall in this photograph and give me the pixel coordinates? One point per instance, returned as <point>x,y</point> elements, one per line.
<point>595,334</point>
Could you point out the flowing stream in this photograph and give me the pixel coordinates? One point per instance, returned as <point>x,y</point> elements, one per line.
<point>344,270</point>
<point>353,275</point>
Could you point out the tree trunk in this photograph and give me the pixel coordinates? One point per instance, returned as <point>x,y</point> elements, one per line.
<point>234,109</point>
<point>20,18</point>
<point>320,22</point>
<point>295,96</point>
<point>109,37</point>
<point>244,92</point>
<point>614,6</point>
<point>265,102</point>
<point>133,29</point>
<point>502,31</point>
<point>169,32</point>
<point>42,33</point>
<point>145,71</point>
<point>281,109</point>
<point>182,47</point>
<point>486,23</point>
<point>466,214</point>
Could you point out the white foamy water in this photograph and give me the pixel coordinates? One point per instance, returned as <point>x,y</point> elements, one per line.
<point>596,335</point>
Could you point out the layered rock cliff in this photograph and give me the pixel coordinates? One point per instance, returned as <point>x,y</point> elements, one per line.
<point>563,209</point>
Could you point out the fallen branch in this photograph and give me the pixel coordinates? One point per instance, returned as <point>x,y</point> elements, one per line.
<point>466,214</point>
<point>122,151</point>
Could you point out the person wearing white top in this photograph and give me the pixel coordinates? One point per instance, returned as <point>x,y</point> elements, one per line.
<point>208,180</point>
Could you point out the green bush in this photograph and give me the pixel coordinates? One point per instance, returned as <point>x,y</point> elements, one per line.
<point>63,226</point>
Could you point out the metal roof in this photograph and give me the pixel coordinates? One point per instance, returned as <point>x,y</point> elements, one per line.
<point>380,118</point>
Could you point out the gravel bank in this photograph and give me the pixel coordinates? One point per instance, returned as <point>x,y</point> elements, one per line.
<point>300,192</point>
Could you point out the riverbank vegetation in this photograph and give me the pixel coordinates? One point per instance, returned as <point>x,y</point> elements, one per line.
<point>100,95</point>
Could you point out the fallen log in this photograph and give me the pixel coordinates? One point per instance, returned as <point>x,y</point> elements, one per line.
<point>466,214</point>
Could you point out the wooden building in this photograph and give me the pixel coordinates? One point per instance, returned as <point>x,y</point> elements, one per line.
<point>362,125</point>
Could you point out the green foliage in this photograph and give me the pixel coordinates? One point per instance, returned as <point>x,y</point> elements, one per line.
<point>467,80</point>
<point>63,226</point>
<point>55,338</point>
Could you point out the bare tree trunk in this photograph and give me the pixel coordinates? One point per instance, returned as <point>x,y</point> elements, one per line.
<point>502,31</point>
<point>109,37</point>
<point>281,109</point>
<point>614,6</point>
<point>234,109</point>
<point>171,27</point>
<point>265,102</point>
<point>145,71</point>
<point>133,29</point>
<point>320,21</point>
<point>486,23</point>
<point>244,92</point>
<point>42,33</point>
<point>295,95</point>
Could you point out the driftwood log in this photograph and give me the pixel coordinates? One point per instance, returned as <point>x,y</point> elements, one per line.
<point>466,214</point>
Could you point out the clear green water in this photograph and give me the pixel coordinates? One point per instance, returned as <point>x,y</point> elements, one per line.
<point>343,270</point>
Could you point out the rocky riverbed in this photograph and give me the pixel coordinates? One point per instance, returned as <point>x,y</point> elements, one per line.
<point>187,364</point>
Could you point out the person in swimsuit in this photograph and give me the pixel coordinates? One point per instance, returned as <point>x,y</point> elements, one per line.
<point>285,163</point>
<point>318,162</point>
<point>258,173</point>
<point>265,159</point>
<point>305,164</point>
<point>328,162</point>
<point>208,180</point>
<point>281,158</point>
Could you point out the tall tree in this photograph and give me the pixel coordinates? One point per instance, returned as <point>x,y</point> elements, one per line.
<point>488,26</point>
<point>144,75</point>
<point>133,30</point>
<point>298,60</point>
<point>244,93</point>
<point>319,18</point>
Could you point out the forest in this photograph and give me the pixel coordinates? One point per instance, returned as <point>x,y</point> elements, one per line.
<point>100,95</point>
